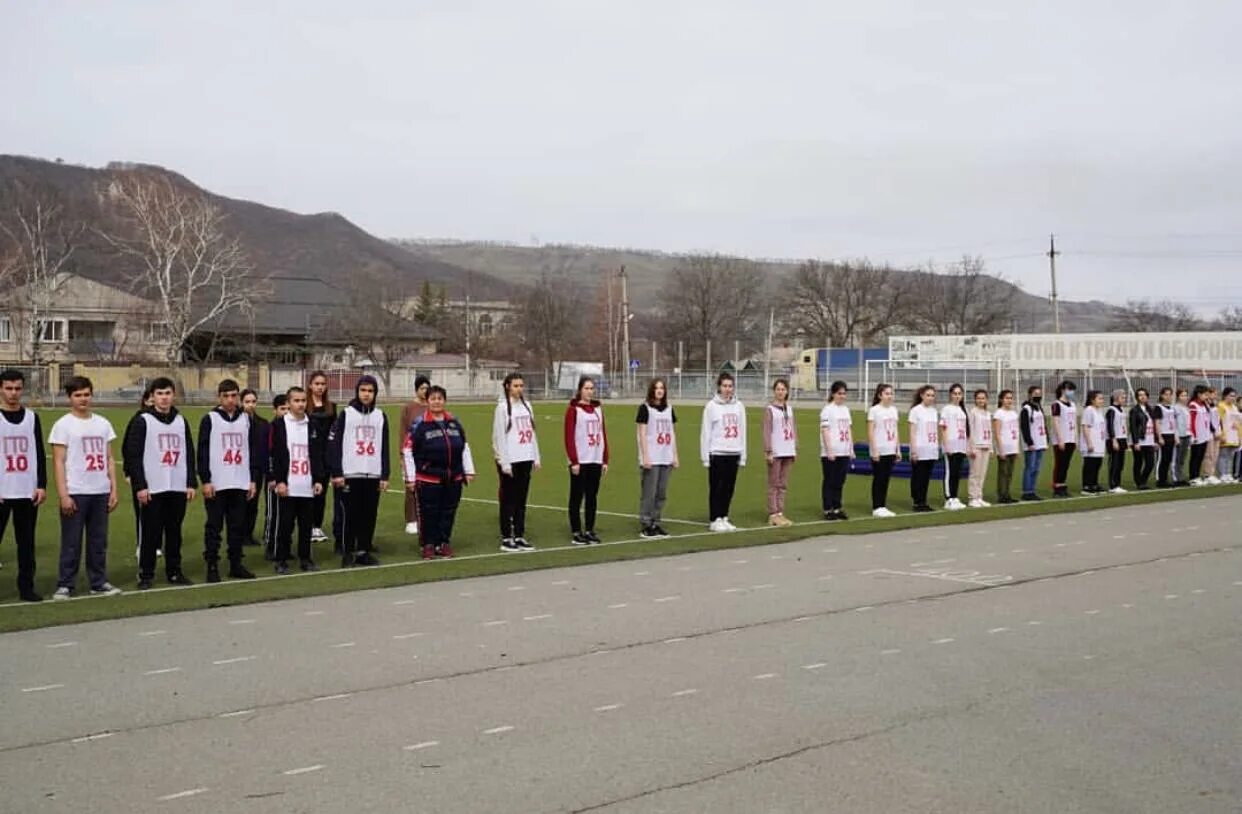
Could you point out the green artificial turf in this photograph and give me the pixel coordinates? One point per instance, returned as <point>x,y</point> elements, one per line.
<point>475,539</point>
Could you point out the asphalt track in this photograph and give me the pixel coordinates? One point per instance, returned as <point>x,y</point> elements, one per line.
<point>1074,663</point>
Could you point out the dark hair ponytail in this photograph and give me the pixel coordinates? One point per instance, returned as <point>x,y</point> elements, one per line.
<point>879,391</point>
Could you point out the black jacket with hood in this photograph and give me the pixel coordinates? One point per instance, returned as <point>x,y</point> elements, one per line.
<point>335,452</point>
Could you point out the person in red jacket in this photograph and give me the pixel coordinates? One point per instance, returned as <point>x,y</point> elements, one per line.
<point>586,446</point>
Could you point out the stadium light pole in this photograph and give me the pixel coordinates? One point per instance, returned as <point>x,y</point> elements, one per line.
<point>625,322</point>
<point>1052,270</point>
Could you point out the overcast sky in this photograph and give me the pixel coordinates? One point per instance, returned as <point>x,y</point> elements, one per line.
<point>903,130</point>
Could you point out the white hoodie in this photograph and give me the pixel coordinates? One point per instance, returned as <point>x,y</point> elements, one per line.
<point>724,430</point>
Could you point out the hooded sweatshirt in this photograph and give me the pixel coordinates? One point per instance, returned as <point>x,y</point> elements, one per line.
<point>358,440</point>
<point>586,437</point>
<point>229,450</point>
<point>168,466</point>
<point>724,429</point>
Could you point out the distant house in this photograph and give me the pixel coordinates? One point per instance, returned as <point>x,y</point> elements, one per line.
<point>488,317</point>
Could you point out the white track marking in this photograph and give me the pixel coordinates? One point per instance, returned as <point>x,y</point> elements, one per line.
<point>944,641</point>
<point>608,707</point>
<point>466,594</point>
<point>496,730</point>
<point>892,651</point>
<point>153,633</point>
<point>824,577</point>
<point>343,644</point>
<point>414,747</point>
<point>496,622</point>
<point>814,666</point>
<point>517,587</point>
<point>1170,596</point>
<point>1091,612</point>
<point>303,770</point>
<point>337,697</point>
<point>428,681</point>
<point>1198,591</point>
<point>560,582</point>
<point>401,636</point>
<point>313,613</point>
<point>237,660</point>
<point>666,599</point>
<point>831,550</point>
<point>1034,622</point>
<point>242,621</point>
<point>804,619</point>
<point>740,562</point>
<point>642,573</point>
<point>675,640</point>
<point>61,644</point>
<point>998,630</point>
<point>181,795</point>
<point>98,736</point>
<point>1018,551</point>
<point>683,693</point>
<point>864,608</point>
<point>732,590</point>
<point>762,587</point>
<point>619,605</point>
<point>536,617</point>
<point>405,602</point>
<point>764,676</point>
<point>162,672</point>
<point>236,714</point>
<point>1127,605</point>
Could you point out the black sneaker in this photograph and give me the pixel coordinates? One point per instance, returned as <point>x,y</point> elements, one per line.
<point>144,584</point>
<point>579,538</point>
<point>31,596</point>
<point>841,515</point>
<point>522,544</point>
<point>660,530</point>
<point>179,579</point>
<point>649,532</point>
<point>593,538</point>
<point>213,572</point>
<point>509,546</point>
<point>239,571</point>
<point>252,542</point>
<point>923,508</point>
<point>308,565</point>
<point>281,568</point>
<point>365,558</point>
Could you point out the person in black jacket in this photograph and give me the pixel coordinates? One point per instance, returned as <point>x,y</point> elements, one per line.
<point>358,463</point>
<point>437,463</point>
<point>1115,419</point>
<point>158,456</point>
<point>1144,437</point>
<point>144,404</point>
<point>297,471</point>
<point>322,413</point>
<point>23,477</point>
<point>259,428</point>
<point>229,472</point>
<point>280,407</point>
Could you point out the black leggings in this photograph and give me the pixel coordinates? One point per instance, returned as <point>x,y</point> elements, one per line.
<point>920,478</point>
<point>161,521</point>
<point>1144,463</point>
<point>953,474</point>
<point>721,478</point>
<point>1166,459</point>
<point>584,486</point>
<point>1116,462</point>
<point>1061,459</point>
<point>1091,473</point>
<point>513,492</point>
<point>834,481</point>
<point>360,499</point>
<point>1197,451</point>
<point>881,472</point>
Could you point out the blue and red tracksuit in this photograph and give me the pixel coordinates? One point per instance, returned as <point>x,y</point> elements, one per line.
<point>435,453</point>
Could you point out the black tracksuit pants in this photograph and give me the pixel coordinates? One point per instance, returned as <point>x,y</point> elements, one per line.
<point>1197,453</point>
<point>252,510</point>
<point>24,515</point>
<point>1091,473</point>
<point>291,511</point>
<point>160,524</point>
<point>514,490</point>
<point>226,513</point>
<point>437,510</point>
<point>1116,462</point>
<point>881,473</point>
<point>1144,463</point>
<point>1061,458</point>
<point>920,479</point>
<point>721,479</point>
<point>1166,453</point>
<point>953,477</point>
<point>360,499</point>
<point>833,485</point>
<point>584,487</point>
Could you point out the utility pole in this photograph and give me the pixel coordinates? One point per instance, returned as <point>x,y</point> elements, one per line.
<point>1052,270</point>
<point>767,361</point>
<point>625,322</point>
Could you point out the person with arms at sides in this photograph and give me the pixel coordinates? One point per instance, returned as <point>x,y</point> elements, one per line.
<point>271,503</point>
<point>321,411</point>
<point>1118,440</point>
<point>1212,454</point>
<point>883,446</point>
<point>1008,436</point>
<point>260,428</point>
<point>1185,439</point>
<point>23,477</point>
<point>836,450</point>
<point>657,456</point>
<point>158,459</point>
<point>1142,427</point>
<point>144,404</point>
<point>410,413</point>
<point>230,473</point>
<point>1228,418</point>
<point>515,447</point>
<point>1064,433</point>
<point>955,441</point>
<point>780,450</point>
<point>924,445</point>
<point>1093,442</point>
<point>1166,420</point>
<point>980,432</point>
<point>722,448</point>
<point>437,461</point>
<point>1200,433</point>
<point>586,446</point>
<point>297,470</point>
<point>358,463</point>
<point>85,475</point>
<point>1033,426</point>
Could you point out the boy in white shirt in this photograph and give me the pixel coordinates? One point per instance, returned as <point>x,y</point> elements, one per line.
<point>86,482</point>
<point>722,447</point>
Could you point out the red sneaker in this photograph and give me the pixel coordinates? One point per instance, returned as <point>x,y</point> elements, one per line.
<point>446,551</point>
<point>428,552</point>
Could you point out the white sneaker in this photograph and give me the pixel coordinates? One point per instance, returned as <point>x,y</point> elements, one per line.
<point>1213,480</point>
<point>61,595</point>
<point>715,525</point>
<point>411,528</point>
<point>975,504</point>
<point>984,503</point>
<point>317,536</point>
<point>107,589</point>
<point>882,512</point>
<point>1117,490</point>
<point>954,505</point>
<point>1198,482</point>
<point>727,525</point>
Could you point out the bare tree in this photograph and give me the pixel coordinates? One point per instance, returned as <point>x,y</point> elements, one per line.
<point>1229,319</point>
<point>963,299</point>
<point>711,298</point>
<point>846,304</point>
<point>380,320</point>
<point>549,320</point>
<point>183,257</point>
<point>1155,315</point>
<point>35,262</point>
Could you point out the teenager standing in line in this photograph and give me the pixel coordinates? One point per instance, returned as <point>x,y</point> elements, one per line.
<point>1008,444</point>
<point>1181,459</point>
<point>1200,433</point>
<point>298,472</point>
<point>259,429</point>
<point>23,477</point>
<point>1094,442</point>
<point>657,455</point>
<point>780,450</point>
<point>158,458</point>
<point>322,414</point>
<point>980,432</point>
<point>85,475</point>
<point>1230,436</point>
<point>1144,437</point>
<point>1033,426</point>
<point>884,446</point>
<point>515,447</point>
<point>437,462</point>
<point>358,463</point>
<point>722,448</point>
<point>230,473</point>
<point>1064,433</point>
<point>271,503</point>
<point>1212,454</point>
<point>924,444</point>
<point>836,450</point>
<point>1167,423</point>
<point>586,446</point>
<point>410,413</point>
<point>144,404</point>
<point>955,440</point>
<point>1118,440</point>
